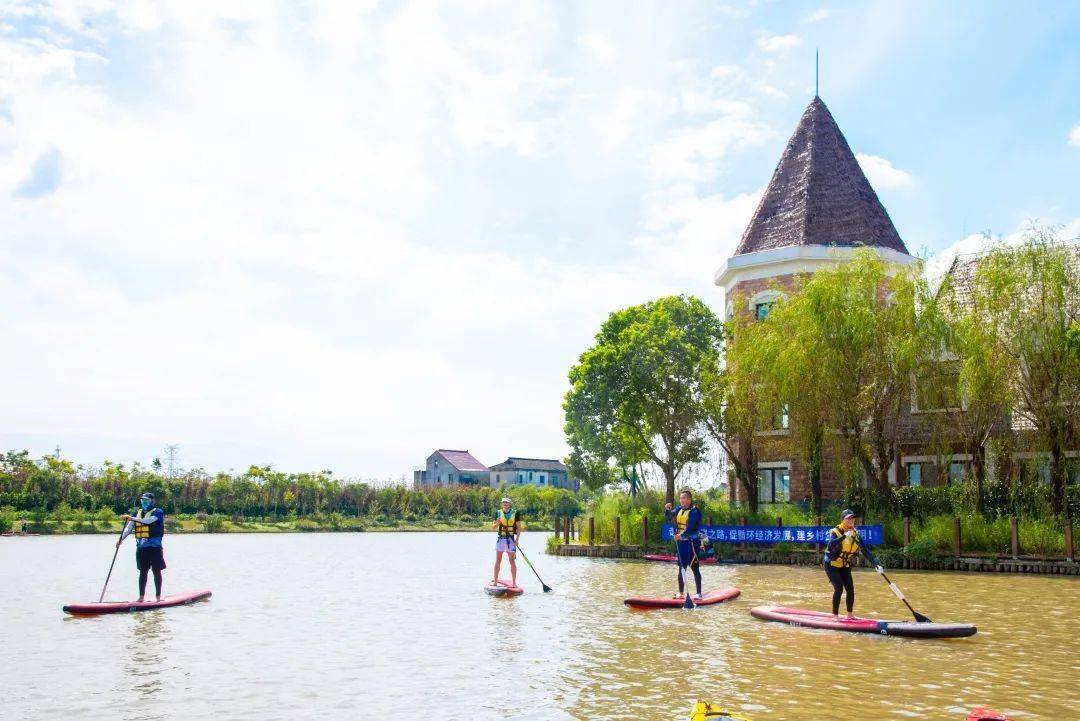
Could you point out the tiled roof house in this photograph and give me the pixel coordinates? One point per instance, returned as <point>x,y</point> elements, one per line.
<point>445,467</point>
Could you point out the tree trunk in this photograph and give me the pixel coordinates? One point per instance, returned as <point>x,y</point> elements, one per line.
<point>813,465</point>
<point>746,472</point>
<point>978,470</point>
<point>669,477</point>
<point>1057,476</point>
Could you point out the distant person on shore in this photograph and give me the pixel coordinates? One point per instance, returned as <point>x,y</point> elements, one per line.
<point>148,525</point>
<point>508,524</point>
<point>687,520</point>
<point>844,544</point>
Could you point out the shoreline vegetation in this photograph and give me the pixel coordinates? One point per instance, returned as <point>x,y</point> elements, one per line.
<point>187,524</point>
<point>52,495</point>
<point>934,516</point>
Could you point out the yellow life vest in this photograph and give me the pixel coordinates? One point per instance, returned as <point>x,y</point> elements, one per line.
<point>705,711</point>
<point>142,530</point>
<point>849,548</point>
<point>507,522</point>
<point>681,519</point>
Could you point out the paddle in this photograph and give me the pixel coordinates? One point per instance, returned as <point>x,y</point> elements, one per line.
<point>115,552</point>
<point>547,588</point>
<point>899,594</point>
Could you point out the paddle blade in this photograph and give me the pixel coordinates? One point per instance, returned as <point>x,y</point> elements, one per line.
<point>921,618</point>
<point>547,588</point>
<point>688,604</point>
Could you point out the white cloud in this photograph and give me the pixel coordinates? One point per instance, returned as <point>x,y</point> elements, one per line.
<point>779,43</point>
<point>819,15</point>
<point>977,243</point>
<point>599,45</point>
<point>883,174</point>
<point>268,239</point>
<point>1074,135</point>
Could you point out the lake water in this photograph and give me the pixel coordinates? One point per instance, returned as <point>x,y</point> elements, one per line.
<point>396,626</point>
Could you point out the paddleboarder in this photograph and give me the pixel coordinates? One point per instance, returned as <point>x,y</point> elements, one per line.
<point>148,525</point>
<point>508,525</point>
<point>844,545</point>
<point>687,520</point>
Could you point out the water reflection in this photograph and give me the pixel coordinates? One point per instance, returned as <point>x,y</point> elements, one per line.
<point>146,653</point>
<point>379,626</point>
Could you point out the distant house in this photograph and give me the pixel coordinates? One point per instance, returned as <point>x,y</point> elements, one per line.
<point>449,467</point>
<point>532,471</point>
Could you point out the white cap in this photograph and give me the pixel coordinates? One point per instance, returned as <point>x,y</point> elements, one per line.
<point>505,500</point>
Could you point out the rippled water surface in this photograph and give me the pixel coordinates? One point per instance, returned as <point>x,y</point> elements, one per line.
<point>382,626</point>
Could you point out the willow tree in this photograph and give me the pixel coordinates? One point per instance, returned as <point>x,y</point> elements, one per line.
<point>843,350</point>
<point>1032,296</point>
<point>736,403</point>
<point>784,359</point>
<point>975,369</point>
<point>637,391</point>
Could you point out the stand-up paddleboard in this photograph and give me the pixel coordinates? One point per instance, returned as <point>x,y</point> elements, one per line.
<point>502,588</point>
<point>985,714</point>
<point>669,558</point>
<point>706,599</point>
<point>93,609</point>
<point>820,619</point>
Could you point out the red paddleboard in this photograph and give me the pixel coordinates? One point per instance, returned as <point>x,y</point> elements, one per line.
<point>668,558</point>
<point>707,599</point>
<point>502,588</point>
<point>93,609</point>
<point>820,619</point>
<point>985,714</point>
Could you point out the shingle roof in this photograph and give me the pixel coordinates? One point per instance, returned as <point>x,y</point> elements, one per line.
<point>529,464</point>
<point>819,195</point>
<point>461,460</point>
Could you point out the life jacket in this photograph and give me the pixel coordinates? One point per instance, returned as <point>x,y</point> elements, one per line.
<point>507,521</point>
<point>705,711</point>
<point>682,518</point>
<point>151,530</point>
<point>849,548</point>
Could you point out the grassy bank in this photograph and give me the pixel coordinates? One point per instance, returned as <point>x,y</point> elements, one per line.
<point>932,526</point>
<point>203,523</point>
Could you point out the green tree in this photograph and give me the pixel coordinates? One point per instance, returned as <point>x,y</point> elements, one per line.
<point>637,391</point>
<point>734,402</point>
<point>1031,294</point>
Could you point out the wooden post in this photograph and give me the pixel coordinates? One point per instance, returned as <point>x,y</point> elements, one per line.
<point>1070,551</point>
<point>566,530</point>
<point>644,530</point>
<point>817,522</point>
<point>1015,533</point>
<point>742,522</point>
<point>618,531</point>
<point>709,521</point>
<point>956,541</point>
<point>907,531</point>
<point>592,530</point>
<point>779,522</point>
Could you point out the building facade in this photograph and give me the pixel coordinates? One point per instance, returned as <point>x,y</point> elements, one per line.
<point>817,210</point>
<point>449,467</point>
<point>541,472</point>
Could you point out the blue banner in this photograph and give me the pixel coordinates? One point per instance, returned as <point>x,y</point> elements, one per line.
<point>871,535</point>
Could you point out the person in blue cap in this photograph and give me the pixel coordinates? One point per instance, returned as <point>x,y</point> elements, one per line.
<point>148,525</point>
<point>687,521</point>
<point>843,546</point>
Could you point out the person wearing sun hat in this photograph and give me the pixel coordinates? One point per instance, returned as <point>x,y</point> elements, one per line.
<point>508,525</point>
<point>844,545</point>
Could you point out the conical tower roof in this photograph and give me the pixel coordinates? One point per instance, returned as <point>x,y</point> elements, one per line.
<point>818,195</point>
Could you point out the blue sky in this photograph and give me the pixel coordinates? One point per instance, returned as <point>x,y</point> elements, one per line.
<point>338,235</point>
